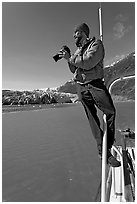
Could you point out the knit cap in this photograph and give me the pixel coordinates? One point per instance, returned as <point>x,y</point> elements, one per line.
<point>83,27</point>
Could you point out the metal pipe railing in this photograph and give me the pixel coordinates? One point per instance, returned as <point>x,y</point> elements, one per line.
<point>119,79</point>
<point>104,161</point>
<point>122,170</point>
<point>104,148</point>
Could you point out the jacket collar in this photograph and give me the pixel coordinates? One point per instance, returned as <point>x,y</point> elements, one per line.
<point>89,41</point>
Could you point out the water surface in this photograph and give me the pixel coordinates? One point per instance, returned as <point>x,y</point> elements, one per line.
<point>50,155</point>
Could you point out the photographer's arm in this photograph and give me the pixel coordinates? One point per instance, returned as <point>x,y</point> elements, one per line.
<point>72,67</point>
<point>70,59</point>
<point>91,58</point>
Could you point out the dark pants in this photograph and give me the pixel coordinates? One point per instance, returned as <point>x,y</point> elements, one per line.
<point>97,94</point>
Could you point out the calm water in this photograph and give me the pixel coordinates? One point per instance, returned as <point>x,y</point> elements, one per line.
<point>50,155</point>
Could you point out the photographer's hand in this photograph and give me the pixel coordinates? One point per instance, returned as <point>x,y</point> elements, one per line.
<point>66,55</point>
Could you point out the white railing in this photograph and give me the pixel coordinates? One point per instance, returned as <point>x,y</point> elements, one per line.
<point>104,149</point>
<point>104,161</point>
<point>122,180</point>
<point>119,79</point>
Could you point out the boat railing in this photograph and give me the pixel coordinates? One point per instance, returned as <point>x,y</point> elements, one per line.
<point>104,149</point>
<point>121,192</point>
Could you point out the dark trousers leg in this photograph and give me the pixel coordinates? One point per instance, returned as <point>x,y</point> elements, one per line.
<point>102,99</point>
<point>105,104</point>
<point>91,113</point>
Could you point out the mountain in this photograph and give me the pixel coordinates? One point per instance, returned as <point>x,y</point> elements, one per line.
<point>124,89</point>
<point>10,97</point>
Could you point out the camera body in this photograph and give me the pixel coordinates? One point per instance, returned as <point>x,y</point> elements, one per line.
<point>58,55</point>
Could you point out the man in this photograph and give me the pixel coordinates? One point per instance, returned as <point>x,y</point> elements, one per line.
<point>87,66</point>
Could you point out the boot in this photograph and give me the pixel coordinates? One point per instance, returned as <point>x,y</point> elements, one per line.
<point>110,158</point>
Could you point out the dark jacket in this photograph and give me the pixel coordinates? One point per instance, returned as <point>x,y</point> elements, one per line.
<point>87,62</point>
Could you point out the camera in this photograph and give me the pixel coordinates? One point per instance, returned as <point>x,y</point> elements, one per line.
<point>58,55</point>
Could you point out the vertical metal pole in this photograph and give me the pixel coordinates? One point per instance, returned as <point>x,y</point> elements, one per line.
<point>100,23</point>
<point>104,162</point>
<point>109,184</point>
<point>104,145</point>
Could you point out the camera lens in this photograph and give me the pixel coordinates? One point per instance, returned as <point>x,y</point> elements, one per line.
<point>57,57</point>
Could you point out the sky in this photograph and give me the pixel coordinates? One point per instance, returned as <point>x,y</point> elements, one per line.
<point>32,32</point>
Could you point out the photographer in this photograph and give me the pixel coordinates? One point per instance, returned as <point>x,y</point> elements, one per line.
<point>87,65</point>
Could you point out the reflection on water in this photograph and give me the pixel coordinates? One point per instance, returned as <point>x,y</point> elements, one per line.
<point>50,155</point>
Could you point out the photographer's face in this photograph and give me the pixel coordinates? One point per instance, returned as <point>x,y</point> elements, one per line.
<point>79,36</point>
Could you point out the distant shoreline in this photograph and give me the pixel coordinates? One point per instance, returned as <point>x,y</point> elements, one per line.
<point>117,98</point>
<point>16,108</point>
